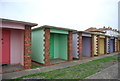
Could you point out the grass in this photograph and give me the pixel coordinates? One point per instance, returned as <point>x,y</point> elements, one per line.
<point>79,71</point>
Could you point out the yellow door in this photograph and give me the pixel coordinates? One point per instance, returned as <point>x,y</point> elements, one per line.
<point>119,45</point>
<point>102,46</point>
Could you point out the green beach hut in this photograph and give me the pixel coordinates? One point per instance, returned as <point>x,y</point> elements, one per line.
<point>51,45</point>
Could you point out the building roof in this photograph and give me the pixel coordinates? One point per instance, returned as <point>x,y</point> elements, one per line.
<point>47,26</point>
<point>19,22</point>
<point>93,29</point>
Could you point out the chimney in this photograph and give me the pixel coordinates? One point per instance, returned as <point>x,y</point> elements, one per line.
<point>103,27</point>
<point>114,29</point>
<point>110,28</point>
<point>118,31</point>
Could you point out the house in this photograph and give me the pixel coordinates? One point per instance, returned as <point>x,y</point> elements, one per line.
<point>99,44</point>
<point>51,45</point>
<point>106,31</point>
<point>113,33</point>
<point>95,30</point>
<point>16,42</point>
<point>102,44</point>
<point>83,45</point>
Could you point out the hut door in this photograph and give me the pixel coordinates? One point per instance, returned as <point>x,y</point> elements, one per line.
<point>119,45</point>
<point>112,45</point>
<point>5,46</point>
<point>102,46</point>
<point>86,46</point>
<point>51,45</point>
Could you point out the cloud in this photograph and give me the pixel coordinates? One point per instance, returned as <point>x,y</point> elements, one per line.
<point>78,14</point>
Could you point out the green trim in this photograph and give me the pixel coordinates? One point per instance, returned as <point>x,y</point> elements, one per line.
<point>58,31</point>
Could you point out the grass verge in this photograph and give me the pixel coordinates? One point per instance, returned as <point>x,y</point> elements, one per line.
<point>79,71</point>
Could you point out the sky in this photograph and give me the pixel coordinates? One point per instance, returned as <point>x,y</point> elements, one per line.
<point>74,14</point>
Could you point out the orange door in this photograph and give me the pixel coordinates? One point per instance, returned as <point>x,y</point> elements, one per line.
<point>5,46</point>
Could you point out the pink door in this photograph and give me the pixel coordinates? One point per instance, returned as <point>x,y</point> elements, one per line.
<point>5,46</point>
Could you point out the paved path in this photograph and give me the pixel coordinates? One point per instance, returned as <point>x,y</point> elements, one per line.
<point>108,73</point>
<point>50,68</point>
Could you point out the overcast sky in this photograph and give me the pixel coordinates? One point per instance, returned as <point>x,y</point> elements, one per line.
<point>75,14</point>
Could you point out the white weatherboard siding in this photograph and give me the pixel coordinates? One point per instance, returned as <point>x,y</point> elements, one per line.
<point>17,48</point>
<point>107,39</point>
<point>75,45</point>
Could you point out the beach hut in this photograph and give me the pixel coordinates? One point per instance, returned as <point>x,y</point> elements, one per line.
<point>82,45</point>
<point>16,43</point>
<point>51,45</point>
<point>112,44</point>
<point>101,44</point>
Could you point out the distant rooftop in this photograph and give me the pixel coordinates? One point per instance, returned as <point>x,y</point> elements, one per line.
<point>94,29</point>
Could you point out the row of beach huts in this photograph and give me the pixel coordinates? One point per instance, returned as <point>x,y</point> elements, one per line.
<point>48,45</point>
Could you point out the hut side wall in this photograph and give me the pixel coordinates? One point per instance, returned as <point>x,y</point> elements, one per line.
<point>116,44</point>
<point>38,45</point>
<point>75,45</point>
<point>95,45</point>
<point>107,44</point>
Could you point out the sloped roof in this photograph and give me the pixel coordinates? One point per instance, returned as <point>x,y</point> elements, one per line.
<point>47,26</point>
<point>19,22</point>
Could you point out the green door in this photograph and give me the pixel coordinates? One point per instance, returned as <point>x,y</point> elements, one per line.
<point>51,45</point>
